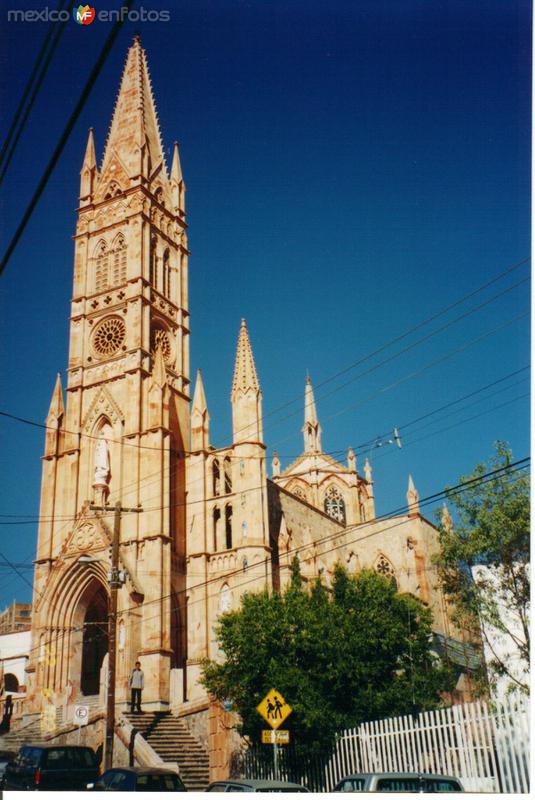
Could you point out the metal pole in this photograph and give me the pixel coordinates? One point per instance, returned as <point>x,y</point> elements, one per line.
<point>275,755</point>
<point>112,630</point>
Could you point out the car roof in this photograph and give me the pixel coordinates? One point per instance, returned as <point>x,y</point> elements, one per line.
<point>49,746</point>
<point>257,782</point>
<point>399,775</point>
<point>145,770</point>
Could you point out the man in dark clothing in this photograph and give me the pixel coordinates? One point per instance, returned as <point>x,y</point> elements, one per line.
<point>136,681</point>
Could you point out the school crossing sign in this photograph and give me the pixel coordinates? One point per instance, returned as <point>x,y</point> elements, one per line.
<point>274,709</point>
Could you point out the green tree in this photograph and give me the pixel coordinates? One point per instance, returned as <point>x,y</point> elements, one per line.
<point>484,563</point>
<point>339,656</point>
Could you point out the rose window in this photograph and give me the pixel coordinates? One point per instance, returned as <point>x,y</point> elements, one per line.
<point>109,336</point>
<point>161,339</point>
<point>385,568</point>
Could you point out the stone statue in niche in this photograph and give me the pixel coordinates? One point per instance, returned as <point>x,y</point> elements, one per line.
<point>102,472</point>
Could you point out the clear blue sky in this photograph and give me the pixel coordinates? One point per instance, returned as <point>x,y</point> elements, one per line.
<point>351,168</point>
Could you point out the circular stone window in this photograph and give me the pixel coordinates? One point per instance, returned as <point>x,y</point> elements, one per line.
<point>161,339</point>
<point>109,336</point>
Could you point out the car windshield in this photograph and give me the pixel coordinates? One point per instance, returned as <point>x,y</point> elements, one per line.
<point>441,785</point>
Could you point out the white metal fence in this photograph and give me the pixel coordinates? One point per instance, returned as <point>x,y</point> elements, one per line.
<point>487,746</point>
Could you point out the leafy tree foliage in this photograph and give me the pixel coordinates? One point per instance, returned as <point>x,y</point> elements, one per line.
<point>339,656</point>
<point>484,564</point>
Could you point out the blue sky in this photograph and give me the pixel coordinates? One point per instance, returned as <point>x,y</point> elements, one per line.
<point>352,169</point>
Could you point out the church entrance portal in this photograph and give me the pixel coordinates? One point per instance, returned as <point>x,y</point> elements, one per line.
<point>94,642</point>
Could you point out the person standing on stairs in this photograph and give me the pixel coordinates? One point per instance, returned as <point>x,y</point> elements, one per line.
<point>136,681</point>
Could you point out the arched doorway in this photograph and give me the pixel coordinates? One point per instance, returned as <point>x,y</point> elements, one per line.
<point>11,682</point>
<point>94,642</point>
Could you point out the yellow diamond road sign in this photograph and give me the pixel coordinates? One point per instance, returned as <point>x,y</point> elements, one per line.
<point>274,708</point>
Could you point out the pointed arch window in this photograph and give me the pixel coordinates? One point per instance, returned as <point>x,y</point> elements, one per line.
<point>215,518</point>
<point>334,504</point>
<point>227,469</point>
<point>228,527</point>
<point>216,478</point>
<point>385,568</point>
<point>102,278</point>
<point>166,274</point>
<point>153,268</point>
<point>119,262</point>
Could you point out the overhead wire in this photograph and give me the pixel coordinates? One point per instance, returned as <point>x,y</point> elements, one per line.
<point>95,72</point>
<point>497,474</point>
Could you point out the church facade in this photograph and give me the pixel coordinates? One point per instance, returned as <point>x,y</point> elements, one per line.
<point>198,525</point>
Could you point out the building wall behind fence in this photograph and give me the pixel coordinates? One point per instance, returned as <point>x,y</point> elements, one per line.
<point>487,747</point>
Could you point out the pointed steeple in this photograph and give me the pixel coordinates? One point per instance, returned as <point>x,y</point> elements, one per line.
<point>275,465</point>
<point>368,471</point>
<point>246,395</point>
<point>134,136</point>
<point>446,520</point>
<point>412,497</point>
<point>200,418</point>
<point>351,460</point>
<point>57,409</point>
<point>89,170</point>
<point>90,159</point>
<point>54,420</point>
<point>178,187</point>
<point>311,429</point>
<point>244,369</point>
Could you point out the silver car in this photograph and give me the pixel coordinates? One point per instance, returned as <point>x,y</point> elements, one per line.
<point>255,785</point>
<point>398,782</point>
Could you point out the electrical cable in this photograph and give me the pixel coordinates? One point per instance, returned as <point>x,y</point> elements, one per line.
<point>95,72</point>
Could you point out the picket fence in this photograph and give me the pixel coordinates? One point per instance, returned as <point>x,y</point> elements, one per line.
<point>485,745</point>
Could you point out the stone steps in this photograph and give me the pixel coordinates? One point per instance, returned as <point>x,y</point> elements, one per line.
<point>172,741</point>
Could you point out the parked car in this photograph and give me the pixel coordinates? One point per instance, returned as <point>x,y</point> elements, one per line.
<point>398,782</point>
<point>255,785</point>
<point>5,757</point>
<point>138,779</point>
<point>47,767</point>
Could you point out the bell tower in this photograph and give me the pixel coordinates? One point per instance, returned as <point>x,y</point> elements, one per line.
<point>123,432</point>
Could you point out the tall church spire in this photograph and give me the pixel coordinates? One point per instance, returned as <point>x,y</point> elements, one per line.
<point>57,409</point>
<point>200,418</point>
<point>246,394</point>
<point>178,187</point>
<point>245,377</point>
<point>89,170</point>
<point>412,497</point>
<point>134,138</point>
<point>311,429</point>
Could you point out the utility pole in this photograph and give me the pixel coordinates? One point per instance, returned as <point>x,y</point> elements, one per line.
<point>116,580</point>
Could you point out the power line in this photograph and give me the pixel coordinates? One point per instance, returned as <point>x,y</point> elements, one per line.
<point>95,72</point>
<point>405,425</point>
<point>402,336</point>
<point>497,474</point>
<point>59,25</point>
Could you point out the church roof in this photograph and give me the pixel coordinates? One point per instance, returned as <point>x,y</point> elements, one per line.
<point>244,370</point>
<point>135,121</point>
<point>334,466</point>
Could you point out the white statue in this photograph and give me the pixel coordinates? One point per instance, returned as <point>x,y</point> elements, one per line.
<point>102,462</point>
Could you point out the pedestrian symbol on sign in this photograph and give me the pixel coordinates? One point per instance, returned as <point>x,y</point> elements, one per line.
<point>274,708</point>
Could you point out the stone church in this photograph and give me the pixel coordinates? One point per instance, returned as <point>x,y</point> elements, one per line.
<point>199,525</point>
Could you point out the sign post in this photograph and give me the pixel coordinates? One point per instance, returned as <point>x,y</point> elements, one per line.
<point>274,709</point>
<point>81,717</point>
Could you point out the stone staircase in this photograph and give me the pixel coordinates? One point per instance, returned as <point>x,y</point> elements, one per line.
<point>31,733</point>
<point>172,741</point>
<point>16,738</point>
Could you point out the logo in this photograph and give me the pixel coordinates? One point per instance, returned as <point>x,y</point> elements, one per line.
<point>84,15</point>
